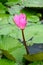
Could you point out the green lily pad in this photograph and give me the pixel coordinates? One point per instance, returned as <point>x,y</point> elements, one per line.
<point>4,19</point>
<point>12,2</point>
<point>7,62</point>
<point>7,55</point>
<point>18,53</point>
<point>7,44</point>
<point>2,8</point>
<point>36,63</point>
<point>15,9</point>
<point>32,16</point>
<point>32,3</point>
<point>34,57</point>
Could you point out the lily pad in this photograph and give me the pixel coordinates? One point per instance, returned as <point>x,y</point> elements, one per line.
<point>34,57</point>
<point>32,3</point>
<point>7,62</point>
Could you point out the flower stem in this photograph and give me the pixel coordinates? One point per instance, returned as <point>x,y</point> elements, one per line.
<point>24,42</point>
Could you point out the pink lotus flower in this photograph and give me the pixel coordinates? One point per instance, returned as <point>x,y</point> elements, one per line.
<point>20,20</point>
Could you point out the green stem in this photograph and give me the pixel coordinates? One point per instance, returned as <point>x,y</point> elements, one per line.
<point>24,42</point>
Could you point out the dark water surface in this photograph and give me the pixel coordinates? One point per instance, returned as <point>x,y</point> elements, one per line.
<point>35,48</point>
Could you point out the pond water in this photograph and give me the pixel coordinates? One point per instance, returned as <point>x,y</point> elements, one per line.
<point>35,48</point>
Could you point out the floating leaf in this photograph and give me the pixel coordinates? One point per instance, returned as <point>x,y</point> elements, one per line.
<point>4,19</point>
<point>32,3</point>
<point>36,63</point>
<point>2,8</point>
<point>9,43</point>
<point>12,2</point>
<point>15,9</point>
<point>32,16</point>
<point>6,62</point>
<point>18,53</point>
<point>34,57</point>
<point>7,55</point>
